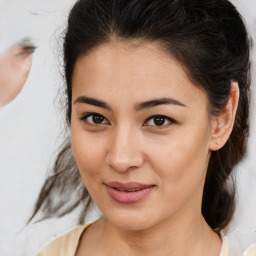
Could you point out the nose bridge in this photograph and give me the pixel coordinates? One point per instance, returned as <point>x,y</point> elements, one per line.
<point>124,150</point>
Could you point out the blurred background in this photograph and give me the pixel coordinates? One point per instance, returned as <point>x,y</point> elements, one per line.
<point>32,126</point>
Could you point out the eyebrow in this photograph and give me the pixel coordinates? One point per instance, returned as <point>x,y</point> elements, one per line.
<point>138,107</point>
<point>93,101</point>
<point>157,102</point>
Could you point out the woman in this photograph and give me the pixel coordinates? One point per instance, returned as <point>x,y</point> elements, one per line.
<point>157,104</point>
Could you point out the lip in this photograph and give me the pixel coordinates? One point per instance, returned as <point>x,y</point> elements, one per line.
<point>128,193</point>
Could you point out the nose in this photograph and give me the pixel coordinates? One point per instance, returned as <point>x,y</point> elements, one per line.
<point>124,152</point>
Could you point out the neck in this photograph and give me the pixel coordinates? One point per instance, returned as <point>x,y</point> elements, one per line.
<point>184,236</point>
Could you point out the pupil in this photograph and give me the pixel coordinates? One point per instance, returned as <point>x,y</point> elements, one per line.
<point>158,121</point>
<point>97,119</point>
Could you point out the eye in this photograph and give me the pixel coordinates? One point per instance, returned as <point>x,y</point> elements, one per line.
<point>159,121</point>
<point>94,119</point>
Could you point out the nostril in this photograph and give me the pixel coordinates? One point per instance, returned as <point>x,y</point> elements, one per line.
<point>125,163</point>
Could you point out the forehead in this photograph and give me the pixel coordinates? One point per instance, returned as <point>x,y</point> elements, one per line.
<point>141,70</point>
<point>119,58</point>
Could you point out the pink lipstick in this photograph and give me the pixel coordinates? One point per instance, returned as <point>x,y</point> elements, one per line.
<point>128,193</point>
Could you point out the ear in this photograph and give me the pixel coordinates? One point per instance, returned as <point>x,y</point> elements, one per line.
<point>222,125</point>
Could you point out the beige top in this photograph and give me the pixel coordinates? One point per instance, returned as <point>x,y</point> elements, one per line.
<point>66,245</point>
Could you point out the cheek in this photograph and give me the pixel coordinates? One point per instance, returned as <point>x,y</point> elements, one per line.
<point>88,151</point>
<point>181,161</point>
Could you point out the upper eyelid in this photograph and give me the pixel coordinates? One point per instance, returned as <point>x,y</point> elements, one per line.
<point>163,116</point>
<point>85,116</point>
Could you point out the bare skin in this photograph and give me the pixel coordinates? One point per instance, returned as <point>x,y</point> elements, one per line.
<point>102,239</point>
<point>128,144</point>
<point>15,65</point>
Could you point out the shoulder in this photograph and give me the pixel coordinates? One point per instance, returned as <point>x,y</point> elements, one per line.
<point>65,245</point>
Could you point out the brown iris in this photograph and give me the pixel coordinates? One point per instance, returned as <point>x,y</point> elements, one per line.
<point>97,119</point>
<point>159,121</point>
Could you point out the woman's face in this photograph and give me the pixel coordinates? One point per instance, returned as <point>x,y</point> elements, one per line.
<point>140,134</point>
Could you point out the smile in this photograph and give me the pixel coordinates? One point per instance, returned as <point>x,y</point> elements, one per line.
<point>128,193</point>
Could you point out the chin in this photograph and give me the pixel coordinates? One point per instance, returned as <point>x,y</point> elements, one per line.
<point>132,225</point>
<point>131,221</point>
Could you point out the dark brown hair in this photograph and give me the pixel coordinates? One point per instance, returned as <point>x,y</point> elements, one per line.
<point>208,37</point>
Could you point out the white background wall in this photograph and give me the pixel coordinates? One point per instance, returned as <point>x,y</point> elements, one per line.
<point>30,131</point>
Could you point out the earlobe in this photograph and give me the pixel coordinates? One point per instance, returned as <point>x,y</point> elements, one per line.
<point>222,125</point>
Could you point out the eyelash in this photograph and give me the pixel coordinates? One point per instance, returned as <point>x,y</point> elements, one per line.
<point>165,118</point>
<point>85,119</point>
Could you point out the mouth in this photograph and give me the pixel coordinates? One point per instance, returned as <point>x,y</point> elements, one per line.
<point>128,193</point>
<point>128,190</point>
